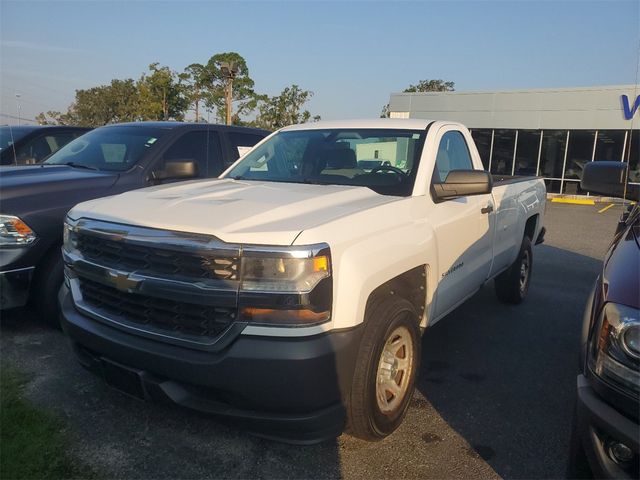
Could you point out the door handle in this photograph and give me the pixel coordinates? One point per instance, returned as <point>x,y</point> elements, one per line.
<point>487,209</point>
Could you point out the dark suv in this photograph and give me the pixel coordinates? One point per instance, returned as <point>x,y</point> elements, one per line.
<point>606,433</point>
<point>31,144</point>
<point>106,161</point>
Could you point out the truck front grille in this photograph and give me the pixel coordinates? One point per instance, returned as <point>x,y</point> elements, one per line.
<point>161,261</point>
<point>176,318</point>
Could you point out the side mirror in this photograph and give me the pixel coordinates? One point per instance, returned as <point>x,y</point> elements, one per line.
<point>461,183</point>
<point>177,169</point>
<point>608,178</point>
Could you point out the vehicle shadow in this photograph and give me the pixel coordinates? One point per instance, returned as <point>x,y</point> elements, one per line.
<point>503,376</point>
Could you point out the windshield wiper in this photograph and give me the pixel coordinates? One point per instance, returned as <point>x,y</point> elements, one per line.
<point>79,165</point>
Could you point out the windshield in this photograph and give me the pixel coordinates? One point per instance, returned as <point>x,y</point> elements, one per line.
<point>385,161</point>
<point>108,148</point>
<point>11,135</point>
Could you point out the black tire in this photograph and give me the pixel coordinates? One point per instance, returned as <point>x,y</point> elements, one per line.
<point>45,287</point>
<point>577,463</point>
<point>385,317</point>
<point>512,285</point>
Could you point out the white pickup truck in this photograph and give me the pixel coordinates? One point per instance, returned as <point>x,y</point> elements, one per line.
<point>291,293</point>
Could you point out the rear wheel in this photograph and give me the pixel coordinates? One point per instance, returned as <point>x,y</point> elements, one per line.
<point>385,373</point>
<point>45,288</point>
<point>512,285</point>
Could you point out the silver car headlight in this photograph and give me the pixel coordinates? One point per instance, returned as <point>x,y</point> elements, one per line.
<point>14,232</point>
<point>615,347</point>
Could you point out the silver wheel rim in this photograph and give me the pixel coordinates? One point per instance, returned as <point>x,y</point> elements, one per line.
<point>394,370</point>
<point>525,266</point>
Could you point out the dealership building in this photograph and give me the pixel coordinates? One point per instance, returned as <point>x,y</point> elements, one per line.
<point>551,133</point>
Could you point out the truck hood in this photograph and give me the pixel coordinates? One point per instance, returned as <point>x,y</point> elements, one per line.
<point>48,177</point>
<point>235,211</point>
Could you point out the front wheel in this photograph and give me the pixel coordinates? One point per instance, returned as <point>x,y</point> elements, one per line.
<point>512,285</point>
<point>385,373</point>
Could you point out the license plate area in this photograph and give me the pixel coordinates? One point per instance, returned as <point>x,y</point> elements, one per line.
<point>124,379</point>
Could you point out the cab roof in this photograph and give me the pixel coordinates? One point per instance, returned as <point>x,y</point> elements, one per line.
<point>381,123</point>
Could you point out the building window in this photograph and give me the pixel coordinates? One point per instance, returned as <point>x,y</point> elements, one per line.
<point>609,145</point>
<point>527,152</point>
<point>553,186</point>
<point>633,155</point>
<point>482,138</point>
<point>502,156</point>
<point>552,154</point>
<point>580,151</point>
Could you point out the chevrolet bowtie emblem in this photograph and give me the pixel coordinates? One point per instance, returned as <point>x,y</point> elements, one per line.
<point>121,281</point>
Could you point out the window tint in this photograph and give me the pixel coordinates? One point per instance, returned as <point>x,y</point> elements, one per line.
<point>201,147</point>
<point>109,148</point>
<point>453,154</point>
<point>384,160</point>
<point>241,143</point>
<point>527,152</point>
<point>34,151</point>
<point>483,143</point>
<point>504,142</point>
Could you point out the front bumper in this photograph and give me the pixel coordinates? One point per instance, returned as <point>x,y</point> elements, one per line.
<point>599,422</point>
<point>14,287</point>
<point>291,389</point>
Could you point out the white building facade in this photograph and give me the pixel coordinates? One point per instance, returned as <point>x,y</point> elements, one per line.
<point>551,133</point>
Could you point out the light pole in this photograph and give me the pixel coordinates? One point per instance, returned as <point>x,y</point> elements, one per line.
<point>18,106</point>
<point>229,71</point>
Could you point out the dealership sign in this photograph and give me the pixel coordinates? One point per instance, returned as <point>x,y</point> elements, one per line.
<point>629,110</point>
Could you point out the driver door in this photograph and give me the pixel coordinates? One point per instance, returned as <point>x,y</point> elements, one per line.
<point>463,228</point>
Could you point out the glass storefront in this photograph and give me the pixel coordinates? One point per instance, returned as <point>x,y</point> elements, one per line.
<point>556,155</point>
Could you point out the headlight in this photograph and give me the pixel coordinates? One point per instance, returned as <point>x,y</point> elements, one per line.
<point>14,232</point>
<point>69,237</point>
<point>286,275</point>
<point>615,347</point>
<point>288,287</point>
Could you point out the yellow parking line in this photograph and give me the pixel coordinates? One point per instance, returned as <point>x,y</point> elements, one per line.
<point>606,208</point>
<point>574,201</point>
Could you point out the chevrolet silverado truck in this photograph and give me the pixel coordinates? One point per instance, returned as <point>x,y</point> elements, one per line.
<point>290,294</point>
<point>106,161</point>
<point>605,441</point>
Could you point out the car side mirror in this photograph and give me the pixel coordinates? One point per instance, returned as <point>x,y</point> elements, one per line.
<point>608,178</point>
<point>462,183</point>
<point>177,169</point>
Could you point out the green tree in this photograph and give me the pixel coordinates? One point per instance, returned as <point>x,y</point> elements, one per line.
<point>244,97</point>
<point>93,107</point>
<point>162,94</point>
<point>438,85</point>
<point>197,80</point>
<point>284,109</point>
<point>51,117</point>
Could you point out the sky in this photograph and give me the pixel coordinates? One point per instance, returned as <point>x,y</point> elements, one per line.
<point>351,54</point>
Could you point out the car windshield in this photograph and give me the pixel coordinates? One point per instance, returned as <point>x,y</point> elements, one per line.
<point>385,161</point>
<point>11,135</point>
<point>108,148</point>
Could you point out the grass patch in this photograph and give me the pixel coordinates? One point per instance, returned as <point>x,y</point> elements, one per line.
<point>32,442</point>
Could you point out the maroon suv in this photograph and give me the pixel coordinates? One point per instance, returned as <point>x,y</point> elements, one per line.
<point>606,433</point>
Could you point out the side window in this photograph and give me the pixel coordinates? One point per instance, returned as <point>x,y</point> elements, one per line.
<point>453,154</point>
<point>33,151</point>
<point>241,143</point>
<point>58,140</point>
<point>202,147</point>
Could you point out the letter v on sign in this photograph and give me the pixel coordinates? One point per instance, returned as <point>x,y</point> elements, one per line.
<point>630,111</point>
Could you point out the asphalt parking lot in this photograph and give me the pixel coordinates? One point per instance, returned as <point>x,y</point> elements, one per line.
<point>494,396</point>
